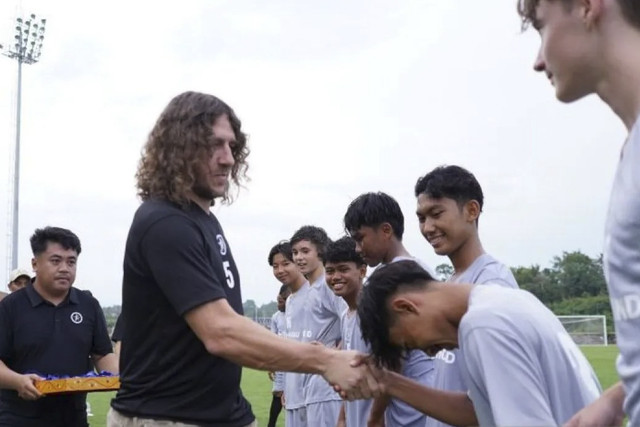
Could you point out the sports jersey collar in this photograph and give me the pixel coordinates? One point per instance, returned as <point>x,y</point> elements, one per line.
<point>36,299</point>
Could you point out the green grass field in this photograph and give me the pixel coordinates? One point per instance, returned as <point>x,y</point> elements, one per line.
<point>257,387</point>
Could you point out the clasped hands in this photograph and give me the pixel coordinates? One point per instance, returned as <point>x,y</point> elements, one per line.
<point>354,375</point>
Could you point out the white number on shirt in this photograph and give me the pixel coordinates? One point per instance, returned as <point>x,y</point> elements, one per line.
<point>227,271</point>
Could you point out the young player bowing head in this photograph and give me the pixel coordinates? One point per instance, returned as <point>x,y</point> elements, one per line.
<point>520,366</point>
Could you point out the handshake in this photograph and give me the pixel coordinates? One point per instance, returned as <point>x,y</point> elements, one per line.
<point>354,375</point>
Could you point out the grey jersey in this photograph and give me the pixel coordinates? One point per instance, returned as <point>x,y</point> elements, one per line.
<point>295,314</point>
<point>418,261</point>
<point>322,324</point>
<point>622,269</point>
<point>484,270</point>
<point>420,368</point>
<point>278,328</point>
<point>521,366</point>
<point>357,411</point>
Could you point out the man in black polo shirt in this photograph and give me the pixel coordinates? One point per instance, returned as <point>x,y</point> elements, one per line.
<point>185,338</point>
<point>50,328</point>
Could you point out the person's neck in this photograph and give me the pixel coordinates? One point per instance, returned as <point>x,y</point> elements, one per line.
<point>619,85</point>
<point>315,275</point>
<point>204,204</point>
<point>396,249</point>
<point>54,299</point>
<point>352,301</point>
<point>455,302</point>
<point>299,282</point>
<point>466,254</point>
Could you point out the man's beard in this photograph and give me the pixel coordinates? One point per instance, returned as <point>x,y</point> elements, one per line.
<point>203,191</point>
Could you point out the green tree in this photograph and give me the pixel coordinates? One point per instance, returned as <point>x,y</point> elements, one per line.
<point>538,281</point>
<point>250,308</point>
<point>267,310</point>
<point>579,275</point>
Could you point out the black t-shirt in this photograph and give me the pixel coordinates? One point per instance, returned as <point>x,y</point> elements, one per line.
<point>175,260</point>
<point>39,337</point>
<point>116,335</point>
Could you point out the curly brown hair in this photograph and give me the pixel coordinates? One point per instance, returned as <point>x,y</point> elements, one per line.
<point>178,142</point>
<point>527,11</point>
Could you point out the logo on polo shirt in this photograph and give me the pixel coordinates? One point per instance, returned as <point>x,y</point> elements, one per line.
<point>222,244</point>
<point>76,317</point>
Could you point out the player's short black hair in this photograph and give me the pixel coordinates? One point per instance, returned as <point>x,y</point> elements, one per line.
<point>65,238</point>
<point>284,248</point>
<point>284,289</point>
<point>373,210</point>
<point>451,182</point>
<point>313,234</point>
<point>343,250</point>
<point>373,311</point>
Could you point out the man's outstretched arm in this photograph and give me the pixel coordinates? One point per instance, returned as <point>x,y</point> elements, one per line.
<point>227,334</point>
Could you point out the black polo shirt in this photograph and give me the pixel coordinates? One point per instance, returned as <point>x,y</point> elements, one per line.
<point>38,337</point>
<point>175,260</point>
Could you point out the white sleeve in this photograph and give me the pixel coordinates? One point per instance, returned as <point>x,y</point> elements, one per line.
<point>507,374</point>
<point>274,323</point>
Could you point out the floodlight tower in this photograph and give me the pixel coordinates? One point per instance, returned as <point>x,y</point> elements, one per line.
<point>28,39</point>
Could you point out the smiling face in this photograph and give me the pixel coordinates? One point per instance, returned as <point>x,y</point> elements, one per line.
<point>569,53</point>
<point>305,255</point>
<point>55,270</point>
<point>345,278</point>
<point>284,269</point>
<point>446,225</point>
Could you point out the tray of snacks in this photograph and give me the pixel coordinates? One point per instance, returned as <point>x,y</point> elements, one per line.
<point>104,381</point>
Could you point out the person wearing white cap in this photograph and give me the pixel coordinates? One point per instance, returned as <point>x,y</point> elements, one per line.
<point>18,279</point>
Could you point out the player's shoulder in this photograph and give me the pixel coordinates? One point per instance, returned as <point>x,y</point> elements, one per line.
<point>491,271</point>
<point>83,296</point>
<point>153,211</point>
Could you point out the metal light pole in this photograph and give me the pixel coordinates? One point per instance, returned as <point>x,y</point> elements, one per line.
<point>29,36</point>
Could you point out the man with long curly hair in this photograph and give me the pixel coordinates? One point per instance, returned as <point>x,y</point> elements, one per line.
<point>184,337</point>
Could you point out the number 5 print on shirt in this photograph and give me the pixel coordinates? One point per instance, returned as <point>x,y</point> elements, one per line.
<point>227,271</point>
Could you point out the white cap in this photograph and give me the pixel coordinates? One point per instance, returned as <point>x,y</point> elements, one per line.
<point>19,272</point>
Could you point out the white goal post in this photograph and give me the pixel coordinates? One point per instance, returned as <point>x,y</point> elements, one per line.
<point>586,330</point>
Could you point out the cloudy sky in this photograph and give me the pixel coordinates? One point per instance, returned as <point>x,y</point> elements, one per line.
<point>339,98</point>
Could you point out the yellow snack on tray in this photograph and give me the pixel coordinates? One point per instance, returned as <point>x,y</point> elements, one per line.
<point>78,384</point>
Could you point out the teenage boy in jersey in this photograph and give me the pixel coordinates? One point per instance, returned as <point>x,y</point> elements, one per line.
<point>185,338</point>
<point>278,328</point>
<point>520,366</point>
<point>50,328</point>
<point>450,201</point>
<point>287,272</point>
<point>321,324</point>
<point>376,223</point>
<point>593,46</point>
<point>345,270</point>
